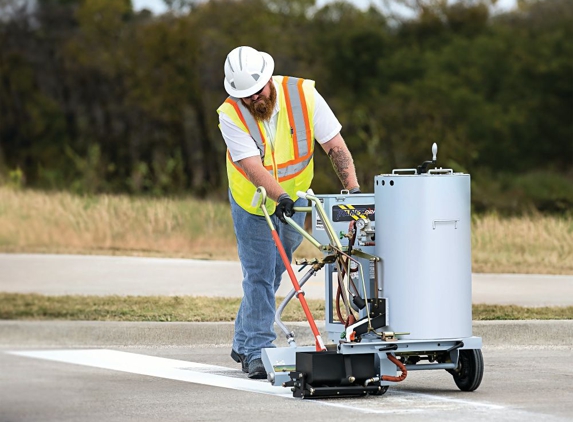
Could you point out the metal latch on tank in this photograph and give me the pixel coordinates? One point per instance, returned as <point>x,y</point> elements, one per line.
<point>391,335</point>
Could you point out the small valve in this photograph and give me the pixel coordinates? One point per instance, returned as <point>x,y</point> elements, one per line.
<point>423,168</point>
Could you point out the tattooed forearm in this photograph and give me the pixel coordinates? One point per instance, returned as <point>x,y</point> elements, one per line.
<point>259,176</point>
<point>342,163</point>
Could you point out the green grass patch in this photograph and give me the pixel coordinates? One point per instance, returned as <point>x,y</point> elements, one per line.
<point>514,312</point>
<point>17,306</point>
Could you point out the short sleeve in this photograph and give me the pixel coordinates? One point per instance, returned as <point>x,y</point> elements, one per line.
<point>326,125</point>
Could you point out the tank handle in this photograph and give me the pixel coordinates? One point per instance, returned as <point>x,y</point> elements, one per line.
<point>436,222</point>
<point>398,171</point>
<point>441,171</point>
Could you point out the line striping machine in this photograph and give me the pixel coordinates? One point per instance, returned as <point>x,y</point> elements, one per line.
<point>397,268</point>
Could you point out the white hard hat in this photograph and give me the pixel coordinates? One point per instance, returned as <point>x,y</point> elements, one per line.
<point>247,71</point>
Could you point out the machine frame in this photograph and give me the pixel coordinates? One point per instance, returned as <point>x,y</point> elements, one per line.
<point>365,355</point>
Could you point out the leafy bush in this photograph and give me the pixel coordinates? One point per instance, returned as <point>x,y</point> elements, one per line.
<point>537,191</point>
<point>547,191</point>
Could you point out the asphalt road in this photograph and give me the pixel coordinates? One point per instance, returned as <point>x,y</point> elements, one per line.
<point>520,384</point>
<point>93,371</point>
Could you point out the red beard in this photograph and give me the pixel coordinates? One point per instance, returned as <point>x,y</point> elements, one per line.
<point>262,109</point>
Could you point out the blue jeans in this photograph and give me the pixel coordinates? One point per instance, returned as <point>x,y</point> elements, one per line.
<point>262,272</point>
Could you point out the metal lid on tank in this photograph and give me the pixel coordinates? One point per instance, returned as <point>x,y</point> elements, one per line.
<point>413,172</point>
<point>422,169</point>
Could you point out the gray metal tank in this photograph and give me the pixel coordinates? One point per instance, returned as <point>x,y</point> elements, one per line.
<point>423,235</point>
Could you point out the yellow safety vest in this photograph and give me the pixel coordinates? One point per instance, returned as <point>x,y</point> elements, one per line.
<point>290,161</point>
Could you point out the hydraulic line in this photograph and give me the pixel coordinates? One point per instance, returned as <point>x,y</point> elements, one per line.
<point>344,270</point>
<point>342,288</point>
<point>340,291</point>
<point>388,377</point>
<point>400,365</point>
<point>351,319</point>
<point>338,310</point>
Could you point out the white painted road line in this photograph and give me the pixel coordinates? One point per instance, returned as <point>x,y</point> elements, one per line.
<point>218,376</point>
<point>173,369</point>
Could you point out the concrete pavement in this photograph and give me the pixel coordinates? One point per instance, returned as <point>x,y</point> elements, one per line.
<point>107,275</point>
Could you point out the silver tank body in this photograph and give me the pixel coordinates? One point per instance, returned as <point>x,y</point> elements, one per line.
<point>423,235</point>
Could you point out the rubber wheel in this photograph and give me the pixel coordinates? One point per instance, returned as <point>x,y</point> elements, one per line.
<point>382,390</point>
<point>469,373</point>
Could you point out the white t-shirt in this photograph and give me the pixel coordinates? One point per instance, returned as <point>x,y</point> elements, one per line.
<point>241,145</point>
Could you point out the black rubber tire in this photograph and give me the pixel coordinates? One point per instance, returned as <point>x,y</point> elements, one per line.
<point>469,373</point>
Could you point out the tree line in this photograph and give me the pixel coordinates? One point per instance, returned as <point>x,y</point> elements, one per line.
<point>95,97</point>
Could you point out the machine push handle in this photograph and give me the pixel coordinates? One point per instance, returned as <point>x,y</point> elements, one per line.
<point>257,197</point>
<point>304,195</point>
<point>309,195</point>
<point>262,196</point>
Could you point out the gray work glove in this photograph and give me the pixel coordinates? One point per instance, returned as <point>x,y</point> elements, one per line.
<point>354,190</point>
<point>285,207</point>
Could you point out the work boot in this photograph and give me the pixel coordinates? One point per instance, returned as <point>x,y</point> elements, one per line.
<point>257,369</point>
<point>239,357</point>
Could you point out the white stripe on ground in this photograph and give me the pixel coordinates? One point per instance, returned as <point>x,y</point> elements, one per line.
<point>218,376</point>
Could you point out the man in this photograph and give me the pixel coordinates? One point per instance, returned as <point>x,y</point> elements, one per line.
<point>269,124</point>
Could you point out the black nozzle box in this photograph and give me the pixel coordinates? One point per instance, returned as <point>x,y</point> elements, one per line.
<point>332,368</point>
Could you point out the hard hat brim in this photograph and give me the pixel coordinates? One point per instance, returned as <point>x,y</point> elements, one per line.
<point>264,78</point>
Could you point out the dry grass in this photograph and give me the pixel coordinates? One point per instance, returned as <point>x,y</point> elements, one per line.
<point>41,222</point>
<point>119,225</point>
<point>529,244</point>
<point>16,306</point>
